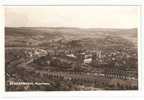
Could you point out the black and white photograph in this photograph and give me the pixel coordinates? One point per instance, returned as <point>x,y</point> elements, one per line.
<point>71,48</point>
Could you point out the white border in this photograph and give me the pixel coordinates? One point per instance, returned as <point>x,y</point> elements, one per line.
<point>72,2</point>
<point>2,54</point>
<point>72,93</point>
<point>142,45</point>
<point>139,49</point>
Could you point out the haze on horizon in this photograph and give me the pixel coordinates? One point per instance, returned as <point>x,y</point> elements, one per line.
<point>72,16</point>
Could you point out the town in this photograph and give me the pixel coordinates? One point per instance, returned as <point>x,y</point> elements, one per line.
<point>72,66</point>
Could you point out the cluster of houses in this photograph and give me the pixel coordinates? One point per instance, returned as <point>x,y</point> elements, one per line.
<point>113,64</point>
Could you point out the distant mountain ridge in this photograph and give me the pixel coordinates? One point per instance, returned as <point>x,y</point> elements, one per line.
<point>35,36</point>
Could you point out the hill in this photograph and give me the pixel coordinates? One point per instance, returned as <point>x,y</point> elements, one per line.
<point>39,36</point>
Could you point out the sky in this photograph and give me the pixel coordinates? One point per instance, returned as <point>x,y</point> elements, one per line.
<point>72,16</point>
